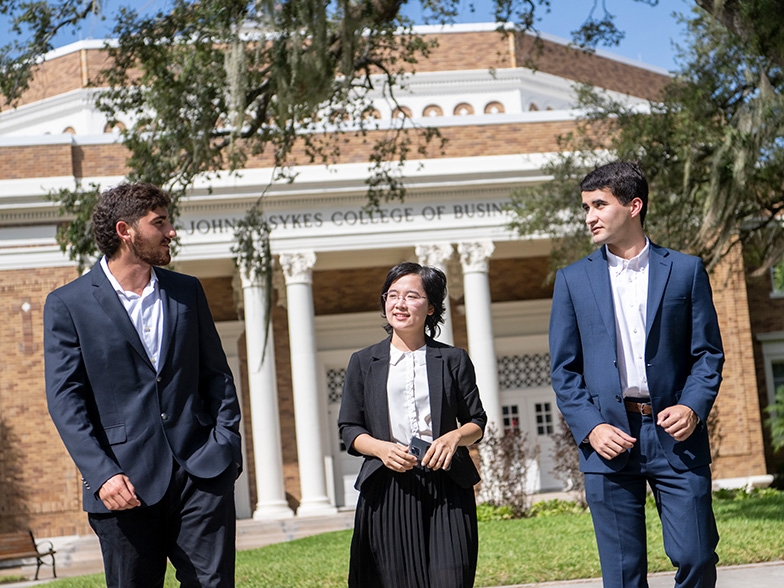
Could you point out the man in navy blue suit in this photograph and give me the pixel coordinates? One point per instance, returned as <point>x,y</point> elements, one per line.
<point>636,366</point>
<point>140,391</point>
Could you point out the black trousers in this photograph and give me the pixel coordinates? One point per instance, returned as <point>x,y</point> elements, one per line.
<point>194,526</point>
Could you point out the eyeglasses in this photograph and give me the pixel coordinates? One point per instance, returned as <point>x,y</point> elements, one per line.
<point>410,297</point>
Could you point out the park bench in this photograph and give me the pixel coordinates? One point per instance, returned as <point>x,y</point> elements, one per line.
<point>21,545</point>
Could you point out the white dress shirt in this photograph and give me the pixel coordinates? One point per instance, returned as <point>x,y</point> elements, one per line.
<point>145,312</point>
<point>629,283</point>
<point>408,396</point>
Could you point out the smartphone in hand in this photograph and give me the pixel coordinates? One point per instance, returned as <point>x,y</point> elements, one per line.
<point>418,447</point>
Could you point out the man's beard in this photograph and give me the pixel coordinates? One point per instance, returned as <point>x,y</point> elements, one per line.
<point>149,252</point>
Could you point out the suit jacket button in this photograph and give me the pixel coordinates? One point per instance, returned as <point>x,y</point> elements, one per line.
<point>618,398</point>
<point>164,416</point>
<point>159,380</point>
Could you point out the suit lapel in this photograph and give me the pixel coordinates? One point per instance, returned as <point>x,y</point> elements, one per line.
<point>599,281</point>
<point>107,298</point>
<point>435,383</point>
<point>376,400</point>
<point>170,313</point>
<point>660,266</point>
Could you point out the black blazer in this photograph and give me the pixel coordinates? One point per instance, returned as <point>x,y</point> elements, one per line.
<point>454,398</point>
<point>114,411</point>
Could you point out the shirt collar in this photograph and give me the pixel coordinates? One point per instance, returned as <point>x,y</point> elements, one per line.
<point>637,263</point>
<point>396,355</point>
<point>151,285</point>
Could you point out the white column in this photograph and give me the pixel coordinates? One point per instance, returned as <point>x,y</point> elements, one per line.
<point>263,389</point>
<point>479,325</point>
<point>298,269</point>
<point>229,332</point>
<point>436,255</point>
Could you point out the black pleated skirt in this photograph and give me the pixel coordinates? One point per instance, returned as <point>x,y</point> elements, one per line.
<point>415,529</point>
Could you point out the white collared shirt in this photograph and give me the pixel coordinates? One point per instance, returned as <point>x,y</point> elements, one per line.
<point>145,312</point>
<point>629,283</point>
<point>408,396</point>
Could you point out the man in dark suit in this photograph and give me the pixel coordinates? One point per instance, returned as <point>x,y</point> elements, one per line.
<point>636,366</point>
<point>141,394</point>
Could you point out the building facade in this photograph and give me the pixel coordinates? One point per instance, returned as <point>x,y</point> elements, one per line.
<point>331,259</point>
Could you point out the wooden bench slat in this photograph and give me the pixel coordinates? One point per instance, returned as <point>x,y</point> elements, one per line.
<point>21,545</point>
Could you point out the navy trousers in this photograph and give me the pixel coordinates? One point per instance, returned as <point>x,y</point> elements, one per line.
<point>683,500</point>
<point>194,526</point>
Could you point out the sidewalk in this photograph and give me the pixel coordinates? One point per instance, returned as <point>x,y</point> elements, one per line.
<point>763,575</point>
<point>77,556</point>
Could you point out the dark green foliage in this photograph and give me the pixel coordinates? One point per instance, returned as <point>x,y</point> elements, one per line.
<point>775,419</point>
<point>711,147</point>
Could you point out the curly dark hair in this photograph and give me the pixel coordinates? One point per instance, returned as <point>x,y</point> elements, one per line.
<point>128,203</point>
<point>434,281</point>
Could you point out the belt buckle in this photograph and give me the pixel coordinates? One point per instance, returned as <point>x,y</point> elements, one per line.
<point>643,408</point>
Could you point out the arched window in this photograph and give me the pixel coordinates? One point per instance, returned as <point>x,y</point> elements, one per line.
<point>463,109</point>
<point>117,127</point>
<point>402,111</point>
<point>432,110</point>
<point>494,108</point>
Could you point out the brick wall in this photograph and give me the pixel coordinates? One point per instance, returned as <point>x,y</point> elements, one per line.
<point>40,487</point>
<point>482,50</point>
<point>740,449</point>
<point>564,61</point>
<point>36,161</point>
<point>109,160</point>
<point>767,316</point>
<point>99,160</point>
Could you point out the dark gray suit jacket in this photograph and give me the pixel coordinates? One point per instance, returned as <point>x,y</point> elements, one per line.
<point>114,412</point>
<point>454,397</point>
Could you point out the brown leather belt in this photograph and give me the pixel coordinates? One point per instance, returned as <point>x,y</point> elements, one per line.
<point>638,407</point>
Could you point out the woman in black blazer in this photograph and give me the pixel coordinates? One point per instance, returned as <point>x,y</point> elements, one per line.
<point>415,523</point>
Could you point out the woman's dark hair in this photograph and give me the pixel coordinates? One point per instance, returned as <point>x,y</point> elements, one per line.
<point>434,281</point>
<point>128,203</point>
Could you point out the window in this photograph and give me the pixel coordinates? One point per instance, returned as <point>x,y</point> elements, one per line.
<point>494,108</point>
<point>544,418</point>
<point>773,356</point>
<point>777,279</point>
<point>511,417</point>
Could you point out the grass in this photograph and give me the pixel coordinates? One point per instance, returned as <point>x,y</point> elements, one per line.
<point>552,546</point>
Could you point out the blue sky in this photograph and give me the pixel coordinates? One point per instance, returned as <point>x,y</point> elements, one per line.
<point>650,30</point>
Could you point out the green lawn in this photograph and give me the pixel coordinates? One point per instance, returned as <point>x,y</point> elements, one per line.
<point>539,549</point>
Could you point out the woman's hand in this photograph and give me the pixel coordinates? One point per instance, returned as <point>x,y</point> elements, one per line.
<point>439,454</point>
<point>395,457</point>
<point>392,455</point>
<point>441,451</point>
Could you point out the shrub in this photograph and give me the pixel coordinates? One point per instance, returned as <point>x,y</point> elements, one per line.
<point>567,461</point>
<point>505,460</point>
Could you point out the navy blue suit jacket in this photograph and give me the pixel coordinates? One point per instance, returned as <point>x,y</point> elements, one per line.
<point>454,397</point>
<point>683,352</point>
<point>114,411</point>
